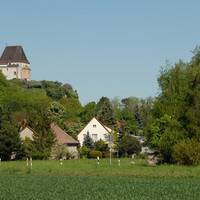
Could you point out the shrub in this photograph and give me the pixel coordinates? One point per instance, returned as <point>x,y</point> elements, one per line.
<point>95,154</point>
<point>129,145</point>
<point>84,151</point>
<point>60,152</point>
<point>187,152</point>
<point>100,145</point>
<point>106,154</point>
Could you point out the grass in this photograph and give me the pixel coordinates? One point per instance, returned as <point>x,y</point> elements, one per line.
<point>84,179</point>
<point>90,168</point>
<point>91,188</point>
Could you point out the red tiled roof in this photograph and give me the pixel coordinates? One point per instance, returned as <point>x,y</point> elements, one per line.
<point>13,54</point>
<point>62,137</point>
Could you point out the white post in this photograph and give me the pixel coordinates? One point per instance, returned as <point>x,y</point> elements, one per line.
<point>98,160</point>
<point>110,156</point>
<point>27,162</point>
<point>31,163</point>
<point>61,163</point>
<point>119,162</point>
<point>0,161</point>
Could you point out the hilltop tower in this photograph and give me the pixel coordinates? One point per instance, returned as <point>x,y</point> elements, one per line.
<point>14,64</point>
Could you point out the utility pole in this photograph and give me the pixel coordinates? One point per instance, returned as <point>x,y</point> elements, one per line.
<point>110,146</point>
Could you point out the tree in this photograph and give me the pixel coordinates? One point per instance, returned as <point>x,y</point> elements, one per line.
<point>104,112</point>
<point>128,145</point>
<point>88,112</point>
<point>10,144</point>
<point>100,145</point>
<point>175,113</point>
<point>56,112</point>
<point>88,142</point>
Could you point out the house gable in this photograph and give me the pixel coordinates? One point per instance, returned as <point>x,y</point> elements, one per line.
<point>96,131</point>
<point>27,132</point>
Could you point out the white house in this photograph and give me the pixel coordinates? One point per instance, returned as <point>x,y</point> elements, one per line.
<point>14,64</point>
<point>96,131</point>
<point>26,132</point>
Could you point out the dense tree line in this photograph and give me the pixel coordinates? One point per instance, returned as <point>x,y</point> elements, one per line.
<point>175,124</point>
<point>169,121</point>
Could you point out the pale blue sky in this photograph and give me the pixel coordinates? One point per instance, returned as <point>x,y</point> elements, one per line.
<point>102,47</point>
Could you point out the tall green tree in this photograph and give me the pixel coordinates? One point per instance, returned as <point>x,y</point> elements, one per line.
<point>104,112</point>
<point>88,112</point>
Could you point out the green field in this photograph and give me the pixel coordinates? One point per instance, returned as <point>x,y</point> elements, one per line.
<point>84,179</point>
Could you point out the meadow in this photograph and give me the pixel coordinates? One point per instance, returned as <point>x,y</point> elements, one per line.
<point>85,179</point>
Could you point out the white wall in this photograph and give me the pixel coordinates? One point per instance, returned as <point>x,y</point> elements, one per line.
<point>9,72</point>
<point>26,133</point>
<point>96,132</point>
<point>15,72</point>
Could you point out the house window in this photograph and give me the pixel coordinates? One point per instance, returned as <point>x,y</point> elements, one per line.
<point>94,137</point>
<point>94,125</point>
<point>106,138</point>
<point>15,73</point>
<point>84,135</point>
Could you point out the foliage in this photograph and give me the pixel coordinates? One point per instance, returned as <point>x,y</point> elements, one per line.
<point>100,145</point>
<point>128,145</point>
<point>60,152</point>
<point>28,147</point>
<point>72,127</point>
<point>89,111</point>
<point>175,114</point>
<point>88,142</point>
<point>84,151</point>
<point>72,106</point>
<point>95,154</point>
<point>187,152</point>
<point>10,144</point>
<point>56,112</point>
<point>104,112</point>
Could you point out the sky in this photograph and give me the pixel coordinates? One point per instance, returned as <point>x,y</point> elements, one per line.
<point>112,48</point>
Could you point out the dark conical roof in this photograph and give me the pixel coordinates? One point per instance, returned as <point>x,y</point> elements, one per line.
<point>13,54</point>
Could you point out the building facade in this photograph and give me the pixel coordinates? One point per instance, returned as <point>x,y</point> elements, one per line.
<point>14,63</point>
<point>96,130</point>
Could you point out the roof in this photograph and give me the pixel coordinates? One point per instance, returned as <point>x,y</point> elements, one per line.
<point>13,54</point>
<point>107,129</point>
<point>62,137</point>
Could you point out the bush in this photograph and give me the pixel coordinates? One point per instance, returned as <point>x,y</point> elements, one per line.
<point>95,154</point>
<point>129,145</point>
<point>84,151</point>
<point>106,154</point>
<point>60,152</point>
<point>187,152</point>
<point>100,145</point>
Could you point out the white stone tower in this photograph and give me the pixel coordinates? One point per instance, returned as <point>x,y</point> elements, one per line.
<point>14,64</point>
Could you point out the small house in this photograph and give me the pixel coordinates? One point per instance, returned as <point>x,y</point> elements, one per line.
<point>96,130</point>
<point>26,132</point>
<point>62,138</point>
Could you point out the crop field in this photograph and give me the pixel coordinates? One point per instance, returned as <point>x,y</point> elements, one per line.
<point>84,179</point>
